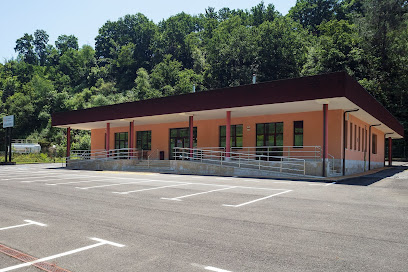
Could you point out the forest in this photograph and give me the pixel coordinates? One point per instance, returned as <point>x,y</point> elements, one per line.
<point>135,59</point>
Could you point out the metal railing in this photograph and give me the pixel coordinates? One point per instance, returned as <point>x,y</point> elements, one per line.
<point>122,153</point>
<point>24,141</point>
<point>301,152</point>
<point>242,160</point>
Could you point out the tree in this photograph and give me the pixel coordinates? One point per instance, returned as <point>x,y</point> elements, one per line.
<point>232,54</point>
<point>25,49</point>
<point>311,13</point>
<point>40,44</point>
<point>282,49</point>
<point>143,89</point>
<point>65,42</point>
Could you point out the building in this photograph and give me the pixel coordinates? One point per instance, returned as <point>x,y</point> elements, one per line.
<point>327,118</point>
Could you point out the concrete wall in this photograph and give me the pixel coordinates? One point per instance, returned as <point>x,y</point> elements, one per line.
<point>186,167</point>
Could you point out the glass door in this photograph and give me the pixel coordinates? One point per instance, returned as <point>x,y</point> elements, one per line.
<point>179,137</point>
<point>269,134</point>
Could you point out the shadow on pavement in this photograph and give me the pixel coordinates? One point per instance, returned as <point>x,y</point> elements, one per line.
<point>373,178</point>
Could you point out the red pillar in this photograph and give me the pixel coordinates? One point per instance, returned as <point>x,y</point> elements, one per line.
<point>325,137</point>
<point>228,135</point>
<point>68,141</point>
<point>107,137</point>
<point>191,134</point>
<point>131,137</point>
<point>389,151</point>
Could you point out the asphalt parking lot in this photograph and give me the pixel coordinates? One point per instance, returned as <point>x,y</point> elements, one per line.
<point>85,221</point>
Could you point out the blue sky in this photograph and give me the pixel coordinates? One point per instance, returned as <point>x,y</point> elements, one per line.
<point>83,18</point>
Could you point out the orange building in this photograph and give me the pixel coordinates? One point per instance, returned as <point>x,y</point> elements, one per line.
<point>329,118</point>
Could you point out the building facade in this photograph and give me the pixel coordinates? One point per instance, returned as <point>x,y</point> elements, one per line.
<point>327,117</point>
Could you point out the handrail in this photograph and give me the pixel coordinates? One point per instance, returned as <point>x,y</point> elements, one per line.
<point>151,153</point>
<point>242,160</point>
<point>306,152</point>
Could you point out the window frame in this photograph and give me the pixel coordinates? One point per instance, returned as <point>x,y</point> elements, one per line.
<point>118,140</point>
<point>233,137</point>
<point>298,134</point>
<point>139,139</point>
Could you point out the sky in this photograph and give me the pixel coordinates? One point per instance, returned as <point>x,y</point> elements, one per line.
<point>83,18</point>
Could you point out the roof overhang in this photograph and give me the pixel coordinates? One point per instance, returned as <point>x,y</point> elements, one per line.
<point>305,94</point>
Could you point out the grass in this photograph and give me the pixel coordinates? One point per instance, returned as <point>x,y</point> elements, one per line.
<point>32,158</point>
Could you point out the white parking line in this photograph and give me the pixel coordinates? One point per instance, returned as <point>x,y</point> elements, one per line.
<point>115,184</point>
<point>210,268</point>
<point>201,193</point>
<point>256,200</point>
<point>224,178</point>
<point>72,182</point>
<point>29,222</point>
<point>149,189</point>
<point>216,269</point>
<point>101,243</point>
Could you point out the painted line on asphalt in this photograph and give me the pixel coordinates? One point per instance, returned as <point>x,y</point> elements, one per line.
<point>101,242</point>
<point>210,268</point>
<point>29,222</point>
<point>72,182</point>
<point>114,184</point>
<point>256,200</point>
<point>201,193</point>
<point>215,269</point>
<point>150,189</point>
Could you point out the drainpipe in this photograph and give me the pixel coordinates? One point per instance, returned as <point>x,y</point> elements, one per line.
<point>369,144</point>
<point>344,139</point>
<point>385,136</point>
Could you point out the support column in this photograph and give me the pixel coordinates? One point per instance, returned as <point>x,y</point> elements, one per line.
<point>191,134</point>
<point>68,141</point>
<point>325,137</point>
<point>131,137</point>
<point>107,138</point>
<point>228,135</point>
<point>389,151</point>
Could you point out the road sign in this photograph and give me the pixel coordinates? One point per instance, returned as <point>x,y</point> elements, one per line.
<point>8,121</point>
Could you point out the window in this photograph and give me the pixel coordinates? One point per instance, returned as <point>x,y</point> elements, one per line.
<point>144,140</point>
<point>236,135</point>
<point>366,140</point>
<point>121,140</point>
<point>363,139</point>
<point>345,133</point>
<point>269,134</point>
<point>374,142</point>
<point>351,136</point>
<point>298,133</point>
<point>355,137</point>
<point>359,138</point>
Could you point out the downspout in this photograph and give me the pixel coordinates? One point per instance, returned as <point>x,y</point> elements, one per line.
<point>385,147</point>
<point>369,145</point>
<point>344,139</point>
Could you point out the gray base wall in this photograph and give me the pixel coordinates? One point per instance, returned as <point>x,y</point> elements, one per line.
<point>187,167</point>
<point>355,167</point>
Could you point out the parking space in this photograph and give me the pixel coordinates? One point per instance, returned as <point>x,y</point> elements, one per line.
<point>79,221</point>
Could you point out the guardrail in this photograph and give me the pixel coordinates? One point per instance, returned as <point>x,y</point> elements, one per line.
<point>301,152</point>
<point>242,160</point>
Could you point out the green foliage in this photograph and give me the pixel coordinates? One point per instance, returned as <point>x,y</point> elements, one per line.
<point>136,59</point>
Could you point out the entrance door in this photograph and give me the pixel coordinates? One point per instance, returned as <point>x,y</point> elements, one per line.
<point>179,137</point>
<point>269,134</point>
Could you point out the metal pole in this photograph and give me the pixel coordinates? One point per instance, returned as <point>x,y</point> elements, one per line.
<point>325,137</point>
<point>10,137</point>
<point>6,144</point>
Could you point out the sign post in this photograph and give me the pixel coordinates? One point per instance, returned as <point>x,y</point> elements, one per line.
<point>8,124</point>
